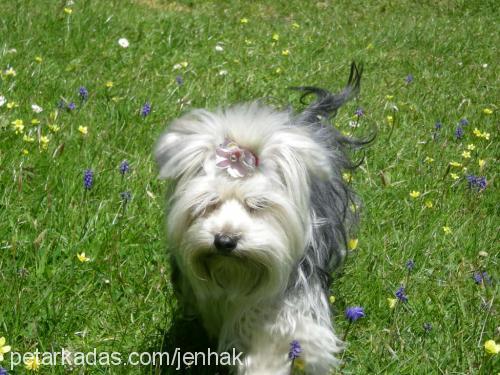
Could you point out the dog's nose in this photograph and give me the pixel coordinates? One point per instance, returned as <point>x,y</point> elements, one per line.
<point>225,243</point>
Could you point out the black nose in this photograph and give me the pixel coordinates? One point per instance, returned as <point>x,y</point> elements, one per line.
<point>225,243</point>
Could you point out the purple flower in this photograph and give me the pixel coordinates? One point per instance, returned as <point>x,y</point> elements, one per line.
<point>88,179</point>
<point>3,371</point>
<point>359,112</point>
<point>477,182</point>
<point>71,106</point>
<point>464,122</point>
<point>238,162</point>
<point>459,132</point>
<point>84,94</point>
<point>124,167</point>
<point>400,294</point>
<point>295,350</point>
<point>126,196</point>
<point>179,80</point>
<point>146,109</point>
<point>354,313</point>
<point>410,265</point>
<point>409,78</point>
<point>481,277</point>
<point>427,327</point>
<point>438,125</point>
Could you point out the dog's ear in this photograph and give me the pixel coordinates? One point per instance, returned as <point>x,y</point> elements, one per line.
<point>183,148</point>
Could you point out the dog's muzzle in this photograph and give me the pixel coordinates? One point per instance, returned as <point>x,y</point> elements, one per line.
<point>225,243</point>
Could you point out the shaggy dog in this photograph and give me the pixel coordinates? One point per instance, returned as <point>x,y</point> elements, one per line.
<point>258,219</point>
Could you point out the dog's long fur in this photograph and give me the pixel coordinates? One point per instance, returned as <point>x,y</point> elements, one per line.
<point>292,218</point>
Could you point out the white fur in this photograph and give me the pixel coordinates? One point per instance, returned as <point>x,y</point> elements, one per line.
<point>245,299</point>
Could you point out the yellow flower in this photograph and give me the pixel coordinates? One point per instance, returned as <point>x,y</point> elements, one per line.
<point>446,230</point>
<point>332,299</point>
<point>486,136</point>
<point>68,10</point>
<point>109,84</point>
<point>32,364</point>
<point>285,52</point>
<point>38,59</point>
<point>11,105</point>
<point>477,132</point>
<point>18,126</point>
<point>428,160</point>
<point>466,154</point>
<point>44,140</point>
<point>352,244</point>
<point>83,129</point>
<point>248,42</point>
<point>389,97</point>
<point>369,46</point>
<point>414,194</point>
<point>3,348</point>
<point>480,134</point>
<point>82,257</point>
<point>428,203</point>
<point>471,147</point>
<point>487,111</point>
<point>491,347</point>
<point>481,163</point>
<point>390,119</point>
<point>244,20</point>
<point>455,164</point>
<point>54,128</point>
<point>27,138</point>
<point>276,37</point>
<point>10,72</point>
<point>347,177</point>
<point>392,302</point>
<point>278,71</point>
<point>454,176</point>
<point>295,25</point>
<point>24,151</point>
<point>35,121</point>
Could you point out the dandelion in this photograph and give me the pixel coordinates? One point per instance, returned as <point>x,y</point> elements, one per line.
<point>10,72</point>
<point>83,93</point>
<point>146,109</point>
<point>459,132</point>
<point>352,244</point>
<point>18,126</point>
<point>466,155</point>
<point>285,52</point>
<point>88,179</point>
<point>244,21</point>
<point>428,203</point>
<point>400,294</point>
<point>487,111</point>
<point>295,350</point>
<point>38,59</point>
<point>481,163</point>
<point>2,100</point>
<point>491,347</point>
<point>82,257</point>
<point>414,194</point>
<point>392,302</point>
<point>179,80</point>
<point>83,130</point>
<point>109,84</point>
<point>124,167</point>
<point>68,10</point>
<point>409,79</point>
<point>4,349</point>
<point>123,42</point>
<point>428,160</point>
<point>354,313</point>
<point>410,265</point>
<point>446,230</point>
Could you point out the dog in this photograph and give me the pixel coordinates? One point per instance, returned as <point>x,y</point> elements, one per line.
<point>258,218</point>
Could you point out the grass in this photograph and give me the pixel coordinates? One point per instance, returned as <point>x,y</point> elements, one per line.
<point>121,299</point>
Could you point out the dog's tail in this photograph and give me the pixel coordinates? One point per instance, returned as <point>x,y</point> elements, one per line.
<point>327,104</point>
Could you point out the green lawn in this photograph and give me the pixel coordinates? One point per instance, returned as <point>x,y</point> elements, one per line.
<point>121,300</point>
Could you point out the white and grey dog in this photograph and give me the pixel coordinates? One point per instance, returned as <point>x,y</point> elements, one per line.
<point>258,219</point>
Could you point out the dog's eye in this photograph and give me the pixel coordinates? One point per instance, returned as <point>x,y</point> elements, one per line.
<point>206,208</point>
<point>256,204</point>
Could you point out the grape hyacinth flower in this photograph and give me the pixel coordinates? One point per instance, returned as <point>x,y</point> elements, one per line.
<point>179,80</point>
<point>464,122</point>
<point>409,78</point>
<point>400,294</point>
<point>295,350</point>
<point>124,167</point>
<point>88,179</point>
<point>83,93</point>
<point>481,277</point>
<point>71,106</point>
<point>410,265</point>
<point>427,327</point>
<point>126,196</point>
<point>477,182</point>
<point>459,132</point>
<point>146,109</point>
<point>354,313</point>
<point>438,125</point>
<point>359,112</point>
<point>3,371</point>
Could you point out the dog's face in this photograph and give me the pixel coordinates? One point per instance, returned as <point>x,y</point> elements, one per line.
<point>239,217</point>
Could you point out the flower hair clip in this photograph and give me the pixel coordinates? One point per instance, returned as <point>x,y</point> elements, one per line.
<point>237,161</point>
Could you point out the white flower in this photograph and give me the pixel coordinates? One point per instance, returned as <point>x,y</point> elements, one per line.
<point>219,48</point>
<point>2,100</point>
<point>123,42</point>
<point>36,108</point>
<point>223,72</point>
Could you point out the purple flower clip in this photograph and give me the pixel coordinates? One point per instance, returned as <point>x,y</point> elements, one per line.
<point>237,161</point>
